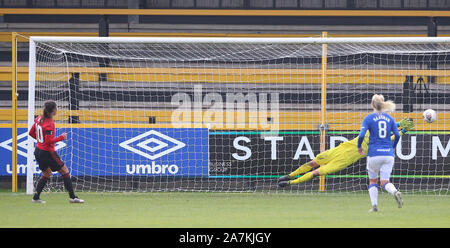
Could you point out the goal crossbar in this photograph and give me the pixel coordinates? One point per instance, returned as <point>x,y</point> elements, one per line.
<point>230,40</point>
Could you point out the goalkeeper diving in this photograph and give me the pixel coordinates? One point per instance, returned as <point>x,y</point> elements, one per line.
<point>336,159</point>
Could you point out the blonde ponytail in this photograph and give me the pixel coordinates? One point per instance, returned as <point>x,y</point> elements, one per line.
<point>379,104</point>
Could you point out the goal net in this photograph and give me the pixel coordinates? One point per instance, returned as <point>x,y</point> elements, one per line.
<point>234,114</point>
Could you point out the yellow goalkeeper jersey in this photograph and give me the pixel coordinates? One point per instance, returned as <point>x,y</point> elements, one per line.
<point>350,148</point>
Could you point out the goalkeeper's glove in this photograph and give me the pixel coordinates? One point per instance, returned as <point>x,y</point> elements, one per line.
<point>405,125</point>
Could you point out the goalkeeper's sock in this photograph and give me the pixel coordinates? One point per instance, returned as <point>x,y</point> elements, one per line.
<point>373,193</point>
<point>308,176</point>
<point>68,185</point>
<point>300,170</point>
<point>389,187</point>
<point>39,187</point>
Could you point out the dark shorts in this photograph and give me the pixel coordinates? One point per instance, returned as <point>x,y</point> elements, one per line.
<point>48,159</point>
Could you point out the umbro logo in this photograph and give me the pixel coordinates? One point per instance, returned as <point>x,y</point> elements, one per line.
<point>152,144</point>
<point>22,144</point>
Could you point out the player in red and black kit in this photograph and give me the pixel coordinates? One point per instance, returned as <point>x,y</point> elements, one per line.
<point>43,130</point>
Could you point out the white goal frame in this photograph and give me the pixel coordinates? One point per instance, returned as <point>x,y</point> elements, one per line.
<point>55,39</point>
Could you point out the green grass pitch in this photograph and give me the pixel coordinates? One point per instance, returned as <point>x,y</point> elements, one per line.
<point>192,209</point>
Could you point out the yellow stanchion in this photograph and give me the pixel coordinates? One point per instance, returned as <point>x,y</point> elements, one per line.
<point>323,106</point>
<point>14,110</point>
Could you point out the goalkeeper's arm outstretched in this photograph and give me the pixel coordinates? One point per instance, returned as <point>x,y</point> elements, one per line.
<point>336,159</point>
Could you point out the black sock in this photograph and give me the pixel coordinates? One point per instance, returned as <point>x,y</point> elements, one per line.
<point>39,187</point>
<point>68,185</point>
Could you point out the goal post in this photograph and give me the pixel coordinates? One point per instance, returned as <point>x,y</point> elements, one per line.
<point>31,163</point>
<point>234,114</point>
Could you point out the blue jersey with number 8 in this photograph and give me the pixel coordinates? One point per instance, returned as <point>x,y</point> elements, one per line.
<point>380,126</point>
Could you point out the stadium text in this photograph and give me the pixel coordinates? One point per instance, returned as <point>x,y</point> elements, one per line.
<point>304,147</point>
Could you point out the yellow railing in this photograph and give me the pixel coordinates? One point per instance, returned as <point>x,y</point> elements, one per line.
<point>286,120</point>
<point>228,75</point>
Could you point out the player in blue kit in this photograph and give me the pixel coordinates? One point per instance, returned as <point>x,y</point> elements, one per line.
<point>380,157</point>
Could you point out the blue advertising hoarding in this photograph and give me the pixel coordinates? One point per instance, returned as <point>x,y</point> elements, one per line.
<point>121,151</point>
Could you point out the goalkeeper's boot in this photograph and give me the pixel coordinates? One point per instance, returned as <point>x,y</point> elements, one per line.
<point>37,201</point>
<point>398,198</point>
<point>76,200</point>
<point>283,184</point>
<point>374,209</point>
<point>284,178</point>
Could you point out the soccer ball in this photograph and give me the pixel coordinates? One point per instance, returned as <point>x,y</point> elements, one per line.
<point>429,115</point>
